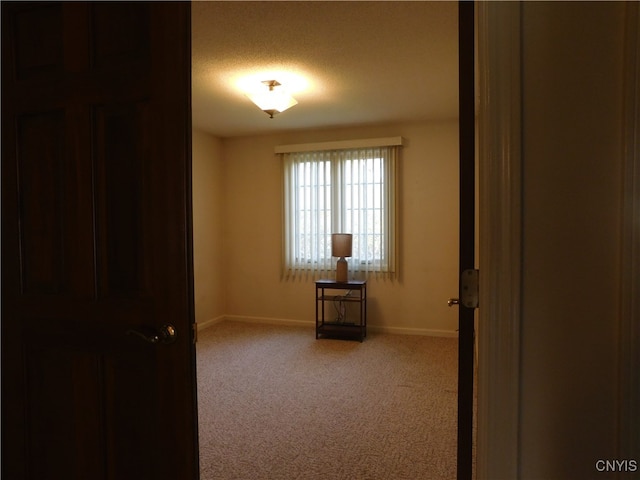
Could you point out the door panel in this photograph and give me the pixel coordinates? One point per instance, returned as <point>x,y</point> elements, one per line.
<point>96,241</point>
<point>65,418</point>
<point>41,56</point>
<point>41,168</point>
<point>121,153</point>
<point>89,409</point>
<point>120,34</point>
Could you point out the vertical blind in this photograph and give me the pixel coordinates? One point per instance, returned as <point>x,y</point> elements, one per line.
<point>340,191</point>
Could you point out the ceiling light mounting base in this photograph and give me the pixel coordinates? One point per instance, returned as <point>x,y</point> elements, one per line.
<point>271,84</point>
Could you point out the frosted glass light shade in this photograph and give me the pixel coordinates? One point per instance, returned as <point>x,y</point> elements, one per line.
<point>272,98</point>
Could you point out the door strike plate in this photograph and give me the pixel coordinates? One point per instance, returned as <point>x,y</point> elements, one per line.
<point>469,289</point>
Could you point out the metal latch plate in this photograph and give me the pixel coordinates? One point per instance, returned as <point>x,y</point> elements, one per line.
<point>469,289</point>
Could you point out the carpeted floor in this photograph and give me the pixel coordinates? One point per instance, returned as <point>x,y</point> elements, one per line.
<point>275,403</point>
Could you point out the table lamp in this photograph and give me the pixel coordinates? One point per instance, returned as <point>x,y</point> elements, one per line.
<point>341,247</point>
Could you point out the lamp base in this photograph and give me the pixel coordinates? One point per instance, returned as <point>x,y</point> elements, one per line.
<point>342,270</point>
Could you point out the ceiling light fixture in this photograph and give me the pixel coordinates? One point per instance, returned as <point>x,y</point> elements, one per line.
<point>272,98</point>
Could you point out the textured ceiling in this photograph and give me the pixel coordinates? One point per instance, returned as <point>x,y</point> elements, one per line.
<point>347,63</point>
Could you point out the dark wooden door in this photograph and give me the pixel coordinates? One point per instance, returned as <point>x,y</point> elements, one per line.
<point>96,242</point>
<point>466,316</point>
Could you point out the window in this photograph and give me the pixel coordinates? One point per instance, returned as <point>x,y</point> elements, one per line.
<point>346,190</point>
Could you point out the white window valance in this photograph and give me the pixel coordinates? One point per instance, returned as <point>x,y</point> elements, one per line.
<point>341,145</point>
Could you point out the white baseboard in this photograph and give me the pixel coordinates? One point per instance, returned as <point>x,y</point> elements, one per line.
<point>413,331</point>
<point>270,320</point>
<point>207,323</point>
<point>311,324</point>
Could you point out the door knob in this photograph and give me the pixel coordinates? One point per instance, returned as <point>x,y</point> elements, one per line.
<point>453,301</point>
<point>166,334</point>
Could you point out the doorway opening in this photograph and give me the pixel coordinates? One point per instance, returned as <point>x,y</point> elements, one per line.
<point>250,272</point>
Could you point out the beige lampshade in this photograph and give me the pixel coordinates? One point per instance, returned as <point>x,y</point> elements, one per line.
<point>341,244</point>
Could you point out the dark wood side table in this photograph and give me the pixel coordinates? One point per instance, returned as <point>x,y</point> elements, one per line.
<point>332,293</point>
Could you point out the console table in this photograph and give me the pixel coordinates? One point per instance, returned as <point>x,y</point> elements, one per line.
<point>340,294</point>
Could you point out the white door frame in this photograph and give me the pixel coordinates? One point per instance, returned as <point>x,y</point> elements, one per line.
<point>499,41</point>
<point>499,150</point>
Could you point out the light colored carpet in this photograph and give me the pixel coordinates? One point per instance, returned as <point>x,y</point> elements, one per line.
<point>275,403</point>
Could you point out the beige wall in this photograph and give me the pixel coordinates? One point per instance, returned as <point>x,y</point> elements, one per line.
<point>208,227</point>
<point>572,101</point>
<point>416,302</point>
